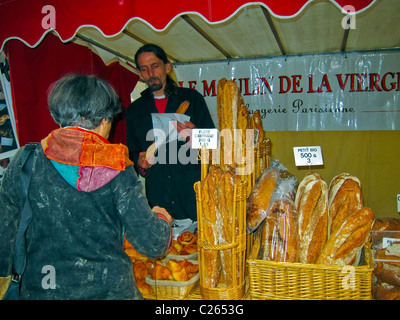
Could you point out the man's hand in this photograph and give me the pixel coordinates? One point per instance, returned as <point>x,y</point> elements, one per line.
<point>185,129</point>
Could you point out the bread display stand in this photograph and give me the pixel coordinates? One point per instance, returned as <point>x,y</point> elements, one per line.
<point>235,249</point>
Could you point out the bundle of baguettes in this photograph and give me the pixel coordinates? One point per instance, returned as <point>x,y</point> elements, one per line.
<point>233,121</point>
<point>218,203</point>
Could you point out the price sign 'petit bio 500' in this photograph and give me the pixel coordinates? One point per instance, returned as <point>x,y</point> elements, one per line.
<point>308,156</point>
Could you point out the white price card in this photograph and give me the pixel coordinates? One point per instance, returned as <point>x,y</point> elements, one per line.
<point>308,156</point>
<point>205,137</point>
<point>398,203</point>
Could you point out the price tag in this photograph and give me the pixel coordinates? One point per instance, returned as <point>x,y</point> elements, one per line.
<point>308,156</point>
<point>386,242</point>
<point>398,203</point>
<point>205,137</point>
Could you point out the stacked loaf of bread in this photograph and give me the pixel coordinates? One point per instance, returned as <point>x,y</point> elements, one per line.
<point>350,222</point>
<point>332,223</point>
<point>217,224</point>
<point>386,255</point>
<point>233,121</point>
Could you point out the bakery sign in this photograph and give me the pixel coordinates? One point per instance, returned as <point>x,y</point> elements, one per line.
<point>353,91</point>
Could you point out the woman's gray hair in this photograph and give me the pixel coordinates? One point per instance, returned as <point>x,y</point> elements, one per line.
<point>83,100</point>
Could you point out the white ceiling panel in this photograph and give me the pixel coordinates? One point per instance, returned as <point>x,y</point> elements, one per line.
<point>377,27</point>
<point>245,35</point>
<point>254,32</point>
<point>316,29</point>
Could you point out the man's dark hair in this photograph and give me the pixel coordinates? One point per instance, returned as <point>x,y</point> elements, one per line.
<point>160,54</point>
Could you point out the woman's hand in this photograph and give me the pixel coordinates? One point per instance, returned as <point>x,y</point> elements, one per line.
<point>163,212</point>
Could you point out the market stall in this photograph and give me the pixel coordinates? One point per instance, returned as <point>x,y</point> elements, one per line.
<point>255,245</point>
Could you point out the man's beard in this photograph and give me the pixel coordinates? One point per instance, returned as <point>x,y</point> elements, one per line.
<point>154,86</point>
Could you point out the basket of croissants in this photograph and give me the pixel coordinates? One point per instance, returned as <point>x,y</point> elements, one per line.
<point>170,278</point>
<point>311,239</point>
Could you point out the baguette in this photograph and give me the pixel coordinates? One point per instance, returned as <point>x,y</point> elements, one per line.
<point>220,103</point>
<point>256,246</point>
<point>267,235</point>
<point>284,244</point>
<point>256,123</point>
<point>312,206</point>
<point>183,107</point>
<point>227,110</point>
<point>346,242</point>
<point>243,119</point>
<point>311,176</point>
<point>210,212</point>
<point>344,199</point>
<point>260,197</point>
<point>226,225</point>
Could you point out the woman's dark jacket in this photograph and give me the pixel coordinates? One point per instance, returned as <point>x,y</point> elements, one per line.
<point>77,228</point>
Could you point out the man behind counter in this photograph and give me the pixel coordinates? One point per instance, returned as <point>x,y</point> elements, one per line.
<point>169,184</point>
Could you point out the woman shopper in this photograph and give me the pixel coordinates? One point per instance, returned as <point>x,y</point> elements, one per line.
<point>85,197</point>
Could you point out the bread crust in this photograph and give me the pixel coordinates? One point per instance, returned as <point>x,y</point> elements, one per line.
<point>282,231</point>
<point>260,197</point>
<point>344,199</point>
<point>312,207</point>
<point>256,123</point>
<point>346,242</point>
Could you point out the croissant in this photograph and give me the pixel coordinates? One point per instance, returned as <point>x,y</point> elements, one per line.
<point>189,266</point>
<point>143,286</point>
<point>159,272</point>
<point>132,253</point>
<point>178,272</point>
<point>140,269</point>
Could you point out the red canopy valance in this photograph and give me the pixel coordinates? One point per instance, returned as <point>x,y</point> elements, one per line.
<point>28,20</point>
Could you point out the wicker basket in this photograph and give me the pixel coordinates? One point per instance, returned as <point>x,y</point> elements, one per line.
<point>236,249</point>
<point>171,290</point>
<point>299,281</point>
